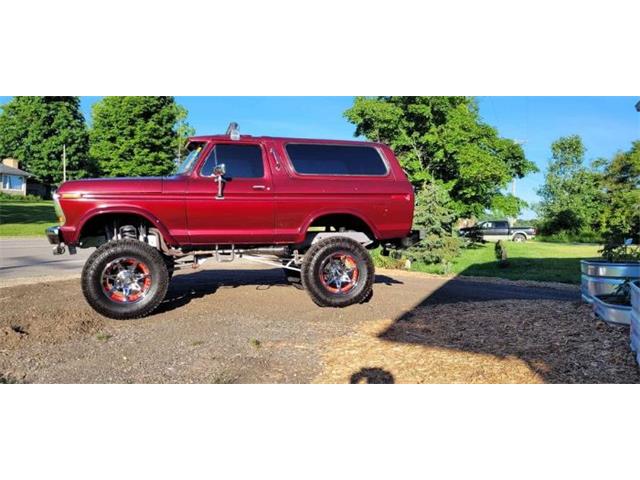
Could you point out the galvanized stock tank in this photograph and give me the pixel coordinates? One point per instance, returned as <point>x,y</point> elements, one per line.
<point>600,277</point>
<point>635,319</point>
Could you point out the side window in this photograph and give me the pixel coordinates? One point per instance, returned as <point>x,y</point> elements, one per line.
<point>241,161</point>
<point>502,225</point>
<point>309,159</point>
<point>487,225</point>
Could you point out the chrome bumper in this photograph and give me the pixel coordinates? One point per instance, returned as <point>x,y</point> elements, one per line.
<point>53,235</point>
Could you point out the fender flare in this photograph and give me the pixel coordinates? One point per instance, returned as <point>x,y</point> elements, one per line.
<point>153,220</point>
<point>322,213</point>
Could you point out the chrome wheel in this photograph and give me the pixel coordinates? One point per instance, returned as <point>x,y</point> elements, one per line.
<point>126,280</point>
<point>339,273</point>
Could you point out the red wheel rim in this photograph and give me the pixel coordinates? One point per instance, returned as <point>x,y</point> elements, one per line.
<point>126,280</point>
<point>339,273</point>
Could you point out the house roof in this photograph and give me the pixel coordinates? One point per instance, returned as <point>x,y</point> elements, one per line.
<point>13,171</point>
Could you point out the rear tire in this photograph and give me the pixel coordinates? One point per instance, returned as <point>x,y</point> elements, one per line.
<point>518,237</point>
<point>338,272</point>
<point>125,279</point>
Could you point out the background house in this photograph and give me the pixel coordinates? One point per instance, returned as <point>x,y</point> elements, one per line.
<point>12,179</point>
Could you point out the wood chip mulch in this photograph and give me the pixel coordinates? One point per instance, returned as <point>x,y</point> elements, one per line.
<point>514,341</point>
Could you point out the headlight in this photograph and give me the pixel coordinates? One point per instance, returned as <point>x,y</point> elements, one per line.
<point>58,208</point>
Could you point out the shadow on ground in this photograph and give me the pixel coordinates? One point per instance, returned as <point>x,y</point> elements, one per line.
<point>372,375</point>
<point>185,288</point>
<point>27,213</point>
<point>549,329</point>
<point>562,270</point>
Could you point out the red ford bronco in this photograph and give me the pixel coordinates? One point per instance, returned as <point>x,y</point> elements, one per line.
<point>312,207</point>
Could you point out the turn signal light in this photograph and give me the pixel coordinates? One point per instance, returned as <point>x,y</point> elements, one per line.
<point>70,195</point>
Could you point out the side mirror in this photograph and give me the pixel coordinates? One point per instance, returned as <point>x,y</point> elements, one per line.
<point>219,170</point>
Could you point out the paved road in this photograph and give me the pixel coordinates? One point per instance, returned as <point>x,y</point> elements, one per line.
<point>31,258</point>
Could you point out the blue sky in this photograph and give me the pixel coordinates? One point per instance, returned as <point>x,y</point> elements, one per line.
<point>606,124</point>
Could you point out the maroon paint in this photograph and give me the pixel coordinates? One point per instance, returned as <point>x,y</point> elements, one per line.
<point>186,211</point>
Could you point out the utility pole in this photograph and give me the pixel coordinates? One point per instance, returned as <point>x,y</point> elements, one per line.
<point>64,162</point>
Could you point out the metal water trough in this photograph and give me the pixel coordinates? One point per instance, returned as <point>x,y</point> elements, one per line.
<point>602,278</point>
<point>611,313</point>
<point>635,319</point>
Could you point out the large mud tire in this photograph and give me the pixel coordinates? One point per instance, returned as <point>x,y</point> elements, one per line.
<point>350,259</point>
<point>100,272</point>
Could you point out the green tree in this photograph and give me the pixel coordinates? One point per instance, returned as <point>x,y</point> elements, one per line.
<point>435,214</point>
<point>505,206</point>
<point>443,138</point>
<point>34,130</point>
<point>572,194</point>
<point>183,130</point>
<point>135,136</point>
<point>620,214</point>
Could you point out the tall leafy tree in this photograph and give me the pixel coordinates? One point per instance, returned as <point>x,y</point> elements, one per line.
<point>572,194</point>
<point>183,131</point>
<point>620,214</point>
<point>34,130</point>
<point>435,215</point>
<point>505,206</point>
<point>135,136</point>
<point>443,138</point>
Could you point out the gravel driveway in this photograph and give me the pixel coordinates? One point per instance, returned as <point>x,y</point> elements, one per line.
<point>244,324</point>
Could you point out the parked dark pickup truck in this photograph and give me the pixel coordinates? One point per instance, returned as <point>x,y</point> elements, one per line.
<point>498,230</point>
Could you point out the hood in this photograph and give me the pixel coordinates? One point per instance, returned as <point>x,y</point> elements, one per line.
<point>113,185</point>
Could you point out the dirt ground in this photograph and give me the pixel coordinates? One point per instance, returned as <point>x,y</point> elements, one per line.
<point>246,325</point>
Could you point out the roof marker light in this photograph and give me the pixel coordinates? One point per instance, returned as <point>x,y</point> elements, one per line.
<point>233,131</point>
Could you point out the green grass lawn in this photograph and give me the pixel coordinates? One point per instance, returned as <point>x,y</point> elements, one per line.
<point>26,218</point>
<point>541,261</point>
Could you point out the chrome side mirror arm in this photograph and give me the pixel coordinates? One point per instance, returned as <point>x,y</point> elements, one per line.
<point>219,172</point>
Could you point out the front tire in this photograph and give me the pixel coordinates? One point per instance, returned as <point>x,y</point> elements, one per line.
<point>338,272</point>
<point>125,279</point>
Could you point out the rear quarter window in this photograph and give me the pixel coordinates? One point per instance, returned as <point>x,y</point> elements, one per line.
<point>308,159</point>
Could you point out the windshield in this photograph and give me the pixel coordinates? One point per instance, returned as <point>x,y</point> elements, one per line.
<point>193,152</point>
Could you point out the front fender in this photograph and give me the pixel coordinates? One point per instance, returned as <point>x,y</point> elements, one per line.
<point>73,237</point>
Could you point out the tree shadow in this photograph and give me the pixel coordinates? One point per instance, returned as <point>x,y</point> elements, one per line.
<point>27,213</point>
<point>549,329</point>
<point>185,288</point>
<point>554,269</point>
<point>372,375</point>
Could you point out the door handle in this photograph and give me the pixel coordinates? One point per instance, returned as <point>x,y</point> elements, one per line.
<point>260,187</point>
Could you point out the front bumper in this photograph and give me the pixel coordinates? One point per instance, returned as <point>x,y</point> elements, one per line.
<point>55,238</point>
<point>53,235</point>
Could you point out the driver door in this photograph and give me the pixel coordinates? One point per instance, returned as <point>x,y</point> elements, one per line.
<point>246,211</point>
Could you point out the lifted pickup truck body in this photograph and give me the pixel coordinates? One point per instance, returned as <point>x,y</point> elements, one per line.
<point>275,206</point>
<point>236,195</point>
